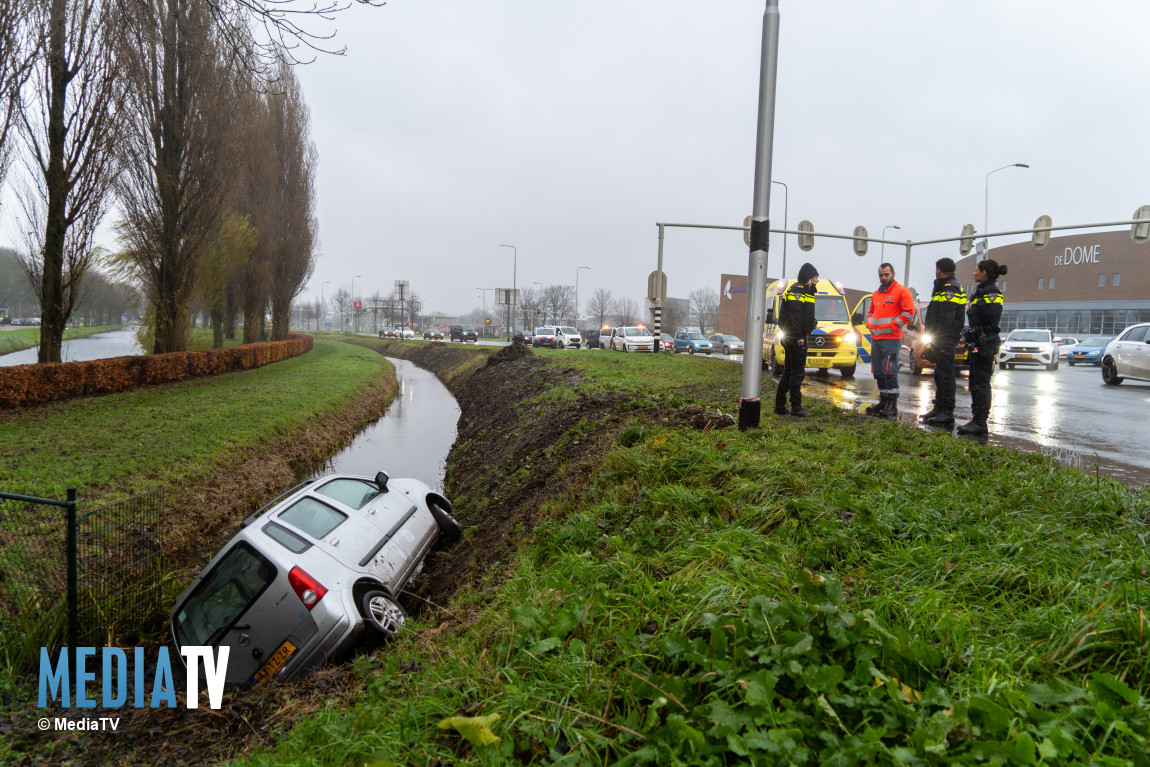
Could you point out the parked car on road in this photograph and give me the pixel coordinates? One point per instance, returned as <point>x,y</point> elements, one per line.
<point>667,342</point>
<point>464,333</point>
<point>387,332</point>
<point>632,339</point>
<point>433,334</point>
<point>593,339</point>
<point>691,341</point>
<point>1065,344</point>
<point>309,572</point>
<point>727,344</point>
<point>1088,351</point>
<point>549,336</point>
<point>1029,346</point>
<point>1128,356</point>
<point>404,333</point>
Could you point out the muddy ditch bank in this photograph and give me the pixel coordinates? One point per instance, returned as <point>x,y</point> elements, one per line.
<point>514,450</point>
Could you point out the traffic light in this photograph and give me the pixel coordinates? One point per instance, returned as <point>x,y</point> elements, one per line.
<point>488,320</point>
<point>966,244</point>
<point>860,240</point>
<point>1041,238</point>
<point>806,240</point>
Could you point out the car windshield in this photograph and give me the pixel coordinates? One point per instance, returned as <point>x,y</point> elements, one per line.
<point>696,337</point>
<point>830,308</point>
<point>223,596</point>
<point>1095,341</point>
<point>732,339</point>
<point>637,332</point>
<point>1029,335</point>
<point>543,332</point>
<point>570,331</point>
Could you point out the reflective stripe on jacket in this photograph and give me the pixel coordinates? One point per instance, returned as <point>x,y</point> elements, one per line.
<point>946,312</point>
<point>890,311</point>
<point>797,312</point>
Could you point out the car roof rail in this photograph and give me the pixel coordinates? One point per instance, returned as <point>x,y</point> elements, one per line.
<point>254,515</point>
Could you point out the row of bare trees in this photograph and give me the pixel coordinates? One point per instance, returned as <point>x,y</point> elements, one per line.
<point>187,117</point>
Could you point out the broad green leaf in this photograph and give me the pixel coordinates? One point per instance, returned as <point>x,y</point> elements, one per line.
<point>1119,688</point>
<point>476,729</point>
<point>546,645</point>
<point>1053,692</point>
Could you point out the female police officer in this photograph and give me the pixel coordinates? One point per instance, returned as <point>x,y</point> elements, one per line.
<point>982,340</point>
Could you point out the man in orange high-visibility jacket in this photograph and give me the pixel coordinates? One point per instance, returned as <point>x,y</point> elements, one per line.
<point>891,310</point>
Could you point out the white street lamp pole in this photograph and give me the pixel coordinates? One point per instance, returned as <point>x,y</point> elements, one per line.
<point>353,310</point>
<point>322,305</point>
<point>786,204</point>
<point>986,202</point>
<point>514,277</point>
<point>577,294</point>
<point>905,277</point>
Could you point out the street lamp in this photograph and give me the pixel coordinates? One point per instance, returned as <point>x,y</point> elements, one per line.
<point>986,202</point>
<point>484,310</point>
<point>539,300</point>
<point>786,203</point>
<point>577,294</point>
<point>353,302</point>
<point>883,248</point>
<point>322,305</point>
<point>514,276</point>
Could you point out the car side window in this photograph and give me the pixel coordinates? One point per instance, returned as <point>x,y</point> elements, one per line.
<point>353,493</point>
<point>313,517</point>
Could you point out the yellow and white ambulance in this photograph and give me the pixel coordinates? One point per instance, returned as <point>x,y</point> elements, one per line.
<point>832,344</point>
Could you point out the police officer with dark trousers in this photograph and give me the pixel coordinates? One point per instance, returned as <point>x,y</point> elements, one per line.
<point>983,341</point>
<point>944,320</point>
<point>796,321</point>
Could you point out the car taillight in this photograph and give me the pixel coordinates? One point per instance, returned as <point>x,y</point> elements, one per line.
<point>307,588</point>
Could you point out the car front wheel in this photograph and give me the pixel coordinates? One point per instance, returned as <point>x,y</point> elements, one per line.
<point>1110,372</point>
<point>690,350</point>
<point>382,612</point>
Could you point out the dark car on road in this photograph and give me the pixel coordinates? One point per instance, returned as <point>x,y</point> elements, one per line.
<point>464,333</point>
<point>433,334</point>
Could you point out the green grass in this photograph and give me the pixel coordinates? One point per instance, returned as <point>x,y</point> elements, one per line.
<point>114,446</point>
<point>27,338</point>
<point>835,590</point>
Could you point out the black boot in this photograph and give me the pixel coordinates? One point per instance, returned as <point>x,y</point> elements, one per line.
<point>780,407</point>
<point>943,419</point>
<point>891,408</point>
<point>934,410</point>
<point>975,429</point>
<point>877,408</point>
<point>798,412</point>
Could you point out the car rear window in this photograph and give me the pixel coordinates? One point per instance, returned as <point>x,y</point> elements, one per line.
<point>224,595</point>
<point>353,493</point>
<point>313,517</point>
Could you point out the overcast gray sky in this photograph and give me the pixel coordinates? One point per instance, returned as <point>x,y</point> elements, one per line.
<point>569,129</point>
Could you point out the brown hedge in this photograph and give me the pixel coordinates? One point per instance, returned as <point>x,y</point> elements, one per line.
<point>23,386</point>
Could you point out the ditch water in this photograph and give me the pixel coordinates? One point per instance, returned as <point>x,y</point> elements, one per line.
<point>114,343</point>
<point>411,439</point>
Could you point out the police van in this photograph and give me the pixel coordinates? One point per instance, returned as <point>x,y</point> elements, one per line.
<point>830,345</point>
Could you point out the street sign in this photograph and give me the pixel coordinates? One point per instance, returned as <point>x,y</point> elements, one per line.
<point>656,288</point>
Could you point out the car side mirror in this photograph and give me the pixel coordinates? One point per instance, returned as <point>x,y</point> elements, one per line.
<point>857,318</point>
<point>771,316</point>
<point>381,479</point>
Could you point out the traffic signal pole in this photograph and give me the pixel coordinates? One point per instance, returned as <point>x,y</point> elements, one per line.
<point>749,402</point>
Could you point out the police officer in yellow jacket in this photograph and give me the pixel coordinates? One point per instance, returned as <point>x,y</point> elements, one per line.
<point>944,320</point>
<point>796,321</point>
<point>981,336</point>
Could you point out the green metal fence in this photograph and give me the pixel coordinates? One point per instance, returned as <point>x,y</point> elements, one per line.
<point>76,578</point>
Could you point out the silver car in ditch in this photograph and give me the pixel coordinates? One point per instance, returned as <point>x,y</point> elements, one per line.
<point>309,571</point>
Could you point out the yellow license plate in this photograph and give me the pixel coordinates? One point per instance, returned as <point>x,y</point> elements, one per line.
<point>275,663</point>
<point>1024,356</point>
<point>818,363</point>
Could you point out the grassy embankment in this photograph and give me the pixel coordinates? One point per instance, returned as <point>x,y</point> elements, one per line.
<point>831,590</point>
<point>27,338</point>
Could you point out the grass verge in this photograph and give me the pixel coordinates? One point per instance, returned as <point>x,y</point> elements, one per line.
<point>833,590</point>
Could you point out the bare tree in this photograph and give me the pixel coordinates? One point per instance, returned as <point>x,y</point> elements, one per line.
<point>704,310</point>
<point>559,302</point>
<point>625,311</point>
<point>531,307</point>
<point>599,307</point>
<point>341,304</point>
<point>294,223</point>
<point>17,51</point>
<point>70,129</point>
